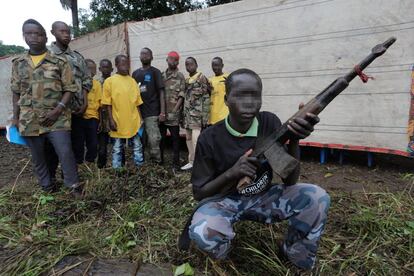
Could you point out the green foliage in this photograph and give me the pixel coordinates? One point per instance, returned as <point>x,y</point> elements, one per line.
<point>184,270</point>
<point>6,50</point>
<point>105,13</point>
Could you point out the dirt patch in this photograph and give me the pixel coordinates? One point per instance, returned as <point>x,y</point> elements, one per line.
<point>13,159</point>
<point>386,175</point>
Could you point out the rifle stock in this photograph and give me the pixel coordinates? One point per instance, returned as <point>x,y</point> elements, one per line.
<point>317,104</point>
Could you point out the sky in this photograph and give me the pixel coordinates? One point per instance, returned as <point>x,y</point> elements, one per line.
<point>14,12</point>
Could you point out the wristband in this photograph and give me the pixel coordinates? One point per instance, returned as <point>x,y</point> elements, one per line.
<point>62,104</point>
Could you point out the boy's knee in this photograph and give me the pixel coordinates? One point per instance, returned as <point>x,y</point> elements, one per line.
<point>321,196</point>
<point>212,234</point>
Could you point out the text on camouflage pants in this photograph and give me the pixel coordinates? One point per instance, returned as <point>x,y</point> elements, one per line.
<point>305,206</point>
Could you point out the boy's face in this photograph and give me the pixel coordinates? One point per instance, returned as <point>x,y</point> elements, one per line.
<point>62,33</point>
<point>190,66</point>
<point>172,63</point>
<point>217,67</point>
<point>122,66</point>
<point>105,68</point>
<point>34,37</point>
<point>145,56</point>
<point>92,68</point>
<point>245,98</point>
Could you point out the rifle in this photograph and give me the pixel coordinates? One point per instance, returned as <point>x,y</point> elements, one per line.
<point>271,147</point>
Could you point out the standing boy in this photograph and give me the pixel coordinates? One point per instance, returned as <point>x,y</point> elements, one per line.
<point>105,66</point>
<point>79,103</point>
<point>42,84</point>
<point>218,109</point>
<point>151,86</point>
<point>223,158</point>
<point>196,107</point>
<point>121,97</point>
<point>174,83</point>
<point>89,126</point>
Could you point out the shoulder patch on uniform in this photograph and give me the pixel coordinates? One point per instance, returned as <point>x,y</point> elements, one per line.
<point>19,57</point>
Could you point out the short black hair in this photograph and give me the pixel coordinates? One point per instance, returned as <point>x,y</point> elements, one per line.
<point>242,71</point>
<point>89,60</point>
<point>34,22</point>
<point>105,60</point>
<point>118,57</point>
<point>148,49</point>
<point>195,61</point>
<point>54,25</point>
<point>219,59</point>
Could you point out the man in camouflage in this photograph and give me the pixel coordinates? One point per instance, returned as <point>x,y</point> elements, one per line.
<point>196,107</point>
<point>79,101</point>
<point>174,85</point>
<point>223,158</point>
<point>42,84</point>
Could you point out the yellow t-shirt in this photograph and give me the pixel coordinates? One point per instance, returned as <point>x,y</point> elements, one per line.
<point>123,94</point>
<point>218,109</point>
<point>94,101</point>
<point>37,59</point>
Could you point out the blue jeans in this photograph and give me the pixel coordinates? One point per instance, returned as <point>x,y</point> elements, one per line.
<point>118,153</point>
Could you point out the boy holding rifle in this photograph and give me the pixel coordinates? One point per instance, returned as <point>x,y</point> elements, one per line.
<point>223,157</point>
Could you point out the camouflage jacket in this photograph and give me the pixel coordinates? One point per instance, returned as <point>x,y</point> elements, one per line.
<point>196,102</point>
<point>174,83</point>
<point>40,89</point>
<point>104,116</point>
<point>80,73</point>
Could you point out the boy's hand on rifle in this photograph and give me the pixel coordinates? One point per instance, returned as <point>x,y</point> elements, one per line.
<point>303,127</point>
<point>245,166</point>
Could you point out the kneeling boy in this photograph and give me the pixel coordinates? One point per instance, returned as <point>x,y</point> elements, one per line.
<point>222,159</point>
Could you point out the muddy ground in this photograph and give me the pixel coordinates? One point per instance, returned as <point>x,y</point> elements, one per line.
<point>354,175</point>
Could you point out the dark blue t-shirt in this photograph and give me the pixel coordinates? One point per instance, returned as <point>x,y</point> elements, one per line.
<point>150,82</point>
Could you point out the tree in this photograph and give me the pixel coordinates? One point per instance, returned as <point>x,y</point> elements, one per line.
<point>6,50</point>
<point>73,6</point>
<point>105,13</point>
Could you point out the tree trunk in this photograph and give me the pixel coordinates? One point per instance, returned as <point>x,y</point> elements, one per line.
<point>75,19</point>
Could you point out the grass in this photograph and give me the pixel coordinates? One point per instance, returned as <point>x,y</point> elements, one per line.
<point>139,216</point>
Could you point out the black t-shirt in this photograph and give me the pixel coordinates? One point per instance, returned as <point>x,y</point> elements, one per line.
<point>217,151</point>
<point>150,82</point>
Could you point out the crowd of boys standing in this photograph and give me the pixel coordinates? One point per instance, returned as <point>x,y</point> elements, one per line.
<point>110,107</point>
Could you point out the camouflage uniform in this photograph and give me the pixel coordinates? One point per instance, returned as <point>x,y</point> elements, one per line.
<point>174,83</point>
<point>83,82</point>
<point>41,89</point>
<point>80,73</point>
<point>197,103</point>
<point>305,206</point>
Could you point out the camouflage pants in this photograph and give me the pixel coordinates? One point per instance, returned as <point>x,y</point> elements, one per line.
<point>305,206</point>
<point>152,130</point>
